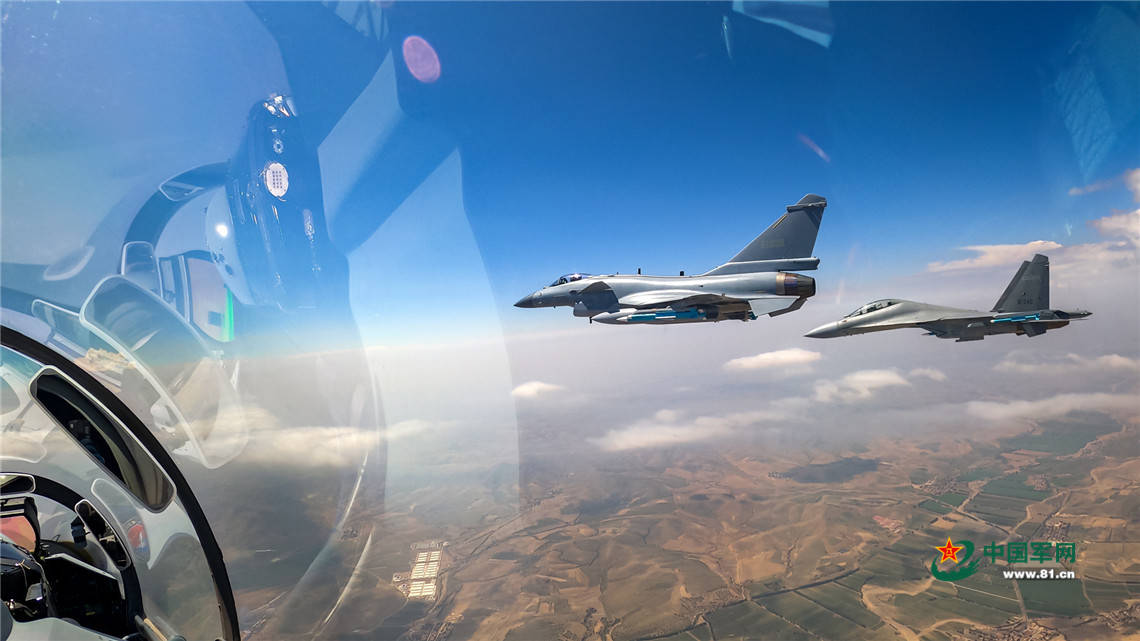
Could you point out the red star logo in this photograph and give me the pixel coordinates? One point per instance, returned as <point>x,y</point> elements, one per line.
<point>949,551</point>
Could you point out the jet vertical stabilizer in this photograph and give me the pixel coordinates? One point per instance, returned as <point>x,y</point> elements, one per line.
<point>786,245</point>
<point>1029,289</point>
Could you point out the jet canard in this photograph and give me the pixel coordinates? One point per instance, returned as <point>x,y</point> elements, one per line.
<point>756,281</point>
<point>1022,309</point>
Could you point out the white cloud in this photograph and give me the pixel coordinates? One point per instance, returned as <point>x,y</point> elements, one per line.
<point>1068,365</point>
<point>643,436</point>
<point>1053,406</point>
<point>1088,189</point>
<point>1132,181</point>
<point>1126,225</point>
<point>532,389</point>
<point>857,385</point>
<point>928,372</point>
<point>310,446</point>
<point>994,256</point>
<point>780,358</point>
<point>667,427</point>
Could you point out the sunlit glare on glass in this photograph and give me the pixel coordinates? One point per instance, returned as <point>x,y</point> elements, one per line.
<point>421,59</point>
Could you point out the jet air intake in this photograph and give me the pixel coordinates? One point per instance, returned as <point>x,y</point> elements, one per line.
<point>796,285</point>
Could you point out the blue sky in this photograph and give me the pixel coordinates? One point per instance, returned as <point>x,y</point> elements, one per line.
<point>607,138</point>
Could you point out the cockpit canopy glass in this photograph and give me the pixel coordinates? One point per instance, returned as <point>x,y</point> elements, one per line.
<point>872,307</point>
<point>568,278</point>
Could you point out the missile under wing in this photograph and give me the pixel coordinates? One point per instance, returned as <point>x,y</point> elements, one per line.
<point>757,281</point>
<point>1022,309</point>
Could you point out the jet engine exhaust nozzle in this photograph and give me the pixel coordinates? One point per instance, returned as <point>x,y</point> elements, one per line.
<point>797,285</point>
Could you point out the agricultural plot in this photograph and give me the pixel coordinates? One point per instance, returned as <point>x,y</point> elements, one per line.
<point>844,602</point>
<point>1005,604</point>
<point>989,580</point>
<point>888,567</point>
<point>952,498</point>
<point>999,510</point>
<point>1064,436</point>
<point>931,505</point>
<point>1106,596</point>
<point>812,617</point>
<point>1015,485</point>
<point>700,633</point>
<point>923,610</point>
<point>1054,598</point>
<point>748,620</point>
<point>855,581</point>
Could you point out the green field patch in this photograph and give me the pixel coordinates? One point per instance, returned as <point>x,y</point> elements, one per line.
<point>990,580</point>
<point>855,581</point>
<point>989,600</point>
<point>887,567</point>
<point>1027,530</point>
<point>1065,435</point>
<point>952,498</point>
<point>749,620</point>
<point>844,602</point>
<point>931,505</point>
<point>1067,472</point>
<point>919,475</point>
<point>1057,598</point>
<point>811,616</point>
<point>999,510</point>
<point>1015,485</point>
<point>844,469</point>
<point>1104,595</point>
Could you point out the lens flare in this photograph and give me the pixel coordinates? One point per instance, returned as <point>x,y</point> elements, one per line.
<point>421,59</point>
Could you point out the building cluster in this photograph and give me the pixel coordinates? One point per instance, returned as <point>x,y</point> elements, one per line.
<point>1056,530</point>
<point>420,582</point>
<point>1123,619</point>
<point>1015,630</point>
<point>939,485</point>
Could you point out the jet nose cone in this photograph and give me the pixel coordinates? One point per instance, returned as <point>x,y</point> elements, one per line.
<point>526,302</point>
<point>824,331</point>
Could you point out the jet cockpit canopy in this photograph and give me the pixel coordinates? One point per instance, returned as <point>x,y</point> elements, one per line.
<point>872,306</point>
<point>568,278</point>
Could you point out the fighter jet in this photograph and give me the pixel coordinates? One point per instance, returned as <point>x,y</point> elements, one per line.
<point>754,282</point>
<point>1022,309</point>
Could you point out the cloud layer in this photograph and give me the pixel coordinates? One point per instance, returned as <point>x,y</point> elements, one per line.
<point>1069,364</point>
<point>1053,406</point>
<point>780,358</point>
<point>859,385</point>
<point>669,427</point>
<point>533,389</point>
<point>995,256</point>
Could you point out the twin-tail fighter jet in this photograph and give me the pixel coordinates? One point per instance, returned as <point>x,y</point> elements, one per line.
<point>755,282</point>
<point>1022,309</point>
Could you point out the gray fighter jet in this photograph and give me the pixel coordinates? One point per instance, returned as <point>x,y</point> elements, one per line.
<point>1022,309</point>
<point>753,283</point>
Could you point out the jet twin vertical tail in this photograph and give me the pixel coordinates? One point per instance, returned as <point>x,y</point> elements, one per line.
<point>1029,289</point>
